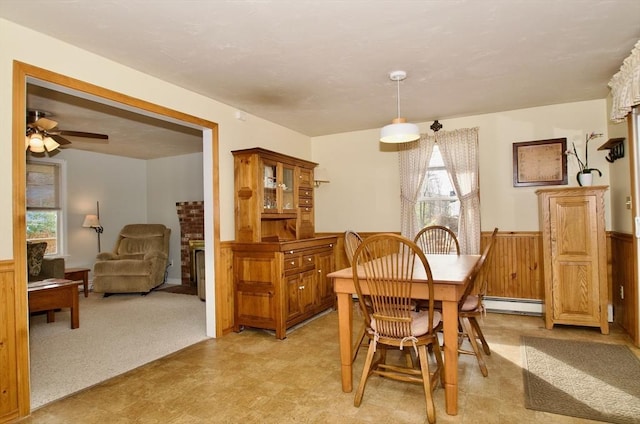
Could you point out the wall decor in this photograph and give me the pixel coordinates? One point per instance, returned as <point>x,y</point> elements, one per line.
<point>541,162</point>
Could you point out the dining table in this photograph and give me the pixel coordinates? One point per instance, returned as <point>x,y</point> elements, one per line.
<point>450,277</point>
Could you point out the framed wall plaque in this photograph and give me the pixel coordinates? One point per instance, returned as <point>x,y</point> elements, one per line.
<point>540,162</point>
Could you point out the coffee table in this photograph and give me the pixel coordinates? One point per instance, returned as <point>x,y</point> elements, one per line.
<point>55,293</point>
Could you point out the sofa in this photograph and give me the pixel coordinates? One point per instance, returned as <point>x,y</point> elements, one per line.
<point>40,268</point>
<point>137,263</point>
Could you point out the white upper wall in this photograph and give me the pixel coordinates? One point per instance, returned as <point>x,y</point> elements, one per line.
<point>364,193</point>
<point>17,43</point>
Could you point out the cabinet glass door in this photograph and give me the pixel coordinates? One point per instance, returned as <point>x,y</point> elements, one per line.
<point>287,188</point>
<point>270,185</point>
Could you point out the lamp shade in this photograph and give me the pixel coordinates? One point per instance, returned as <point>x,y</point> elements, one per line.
<point>91,221</point>
<point>50,144</point>
<point>399,132</point>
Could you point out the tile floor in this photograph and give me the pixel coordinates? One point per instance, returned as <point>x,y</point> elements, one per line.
<point>251,377</point>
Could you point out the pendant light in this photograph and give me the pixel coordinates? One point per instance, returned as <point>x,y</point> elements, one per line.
<point>399,131</point>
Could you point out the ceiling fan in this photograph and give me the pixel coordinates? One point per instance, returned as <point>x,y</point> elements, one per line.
<point>43,133</point>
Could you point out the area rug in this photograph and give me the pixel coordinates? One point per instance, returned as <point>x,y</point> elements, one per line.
<point>596,381</point>
<point>116,334</point>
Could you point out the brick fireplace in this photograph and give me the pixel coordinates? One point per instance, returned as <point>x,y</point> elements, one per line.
<point>191,218</point>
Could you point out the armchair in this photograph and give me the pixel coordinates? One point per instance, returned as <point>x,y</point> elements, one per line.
<point>137,263</point>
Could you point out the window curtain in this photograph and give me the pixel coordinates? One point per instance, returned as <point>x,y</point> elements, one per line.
<point>459,149</point>
<point>625,86</point>
<point>414,161</point>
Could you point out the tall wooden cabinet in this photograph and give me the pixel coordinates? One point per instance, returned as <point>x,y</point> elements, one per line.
<point>575,261</point>
<point>279,266</point>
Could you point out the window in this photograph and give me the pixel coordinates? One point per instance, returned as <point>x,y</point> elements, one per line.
<point>44,204</point>
<point>438,203</point>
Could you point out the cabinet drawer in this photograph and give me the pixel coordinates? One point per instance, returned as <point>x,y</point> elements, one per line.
<point>291,262</point>
<point>305,202</point>
<point>305,192</point>
<point>308,262</point>
<point>305,178</point>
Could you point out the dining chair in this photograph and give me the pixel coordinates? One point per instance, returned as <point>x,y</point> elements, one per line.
<point>384,264</point>
<point>471,306</point>
<point>437,239</point>
<point>351,242</point>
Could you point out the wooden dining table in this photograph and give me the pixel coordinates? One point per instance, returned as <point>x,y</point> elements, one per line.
<point>450,274</point>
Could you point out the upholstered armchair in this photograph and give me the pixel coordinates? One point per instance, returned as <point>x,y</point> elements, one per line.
<point>137,263</point>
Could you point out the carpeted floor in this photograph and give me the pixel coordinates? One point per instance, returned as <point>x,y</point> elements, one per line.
<point>596,381</point>
<point>116,334</point>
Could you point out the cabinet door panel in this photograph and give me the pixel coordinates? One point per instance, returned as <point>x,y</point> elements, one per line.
<point>325,264</point>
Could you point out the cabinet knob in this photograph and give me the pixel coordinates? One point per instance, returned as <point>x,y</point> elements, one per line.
<point>292,262</point>
<point>300,287</point>
<point>319,271</point>
<point>309,259</point>
<point>291,251</point>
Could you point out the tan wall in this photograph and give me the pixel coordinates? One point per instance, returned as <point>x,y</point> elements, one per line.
<point>364,194</point>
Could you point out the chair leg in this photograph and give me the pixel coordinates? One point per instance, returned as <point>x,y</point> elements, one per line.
<point>470,334</point>
<point>359,340</point>
<point>437,352</point>
<point>366,372</point>
<point>476,327</point>
<point>426,383</point>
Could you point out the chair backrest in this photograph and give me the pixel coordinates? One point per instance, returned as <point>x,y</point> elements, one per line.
<point>137,239</point>
<point>386,264</point>
<point>351,242</point>
<point>437,239</point>
<point>478,279</point>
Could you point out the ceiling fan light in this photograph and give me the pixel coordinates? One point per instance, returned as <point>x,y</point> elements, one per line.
<point>36,144</point>
<point>401,132</point>
<point>50,144</point>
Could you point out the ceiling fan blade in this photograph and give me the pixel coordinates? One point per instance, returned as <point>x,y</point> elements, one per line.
<point>84,134</point>
<point>61,140</point>
<point>45,124</point>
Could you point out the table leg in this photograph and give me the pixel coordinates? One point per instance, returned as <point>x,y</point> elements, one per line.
<point>345,320</point>
<point>75,308</point>
<point>450,323</point>
<point>85,283</point>
<point>51,316</point>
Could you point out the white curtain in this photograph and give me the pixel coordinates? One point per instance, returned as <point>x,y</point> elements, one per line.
<point>625,86</point>
<point>414,160</point>
<point>459,151</point>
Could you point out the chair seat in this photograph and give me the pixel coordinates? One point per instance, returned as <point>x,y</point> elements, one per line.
<point>471,304</point>
<point>419,322</point>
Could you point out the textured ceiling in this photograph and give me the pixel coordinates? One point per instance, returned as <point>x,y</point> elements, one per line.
<point>321,67</point>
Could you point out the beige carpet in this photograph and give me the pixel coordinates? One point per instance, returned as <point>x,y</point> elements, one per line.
<point>596,381</point>
<point>116,334</point>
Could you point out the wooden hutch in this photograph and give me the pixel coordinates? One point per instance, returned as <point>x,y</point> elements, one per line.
<point>279,267</point>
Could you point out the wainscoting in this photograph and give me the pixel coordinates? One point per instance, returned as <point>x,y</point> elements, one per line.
<point>623,290</point>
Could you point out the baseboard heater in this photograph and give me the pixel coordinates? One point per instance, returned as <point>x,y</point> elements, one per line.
<point>508,305</point>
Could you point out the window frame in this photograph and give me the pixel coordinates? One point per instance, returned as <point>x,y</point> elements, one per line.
<point>61,235</point>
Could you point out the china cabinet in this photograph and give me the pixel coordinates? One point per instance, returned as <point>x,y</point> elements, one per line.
<point>279,266</point>
<point>574,256</point>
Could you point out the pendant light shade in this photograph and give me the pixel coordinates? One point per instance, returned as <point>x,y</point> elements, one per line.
<point>399,131</point>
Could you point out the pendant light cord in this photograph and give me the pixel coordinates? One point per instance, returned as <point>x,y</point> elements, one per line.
<point>398,97</point>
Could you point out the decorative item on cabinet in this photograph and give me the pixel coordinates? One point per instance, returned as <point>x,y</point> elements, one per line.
<point>574,256</point>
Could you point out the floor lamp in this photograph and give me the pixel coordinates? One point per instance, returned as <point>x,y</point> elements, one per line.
<point>93,221</point>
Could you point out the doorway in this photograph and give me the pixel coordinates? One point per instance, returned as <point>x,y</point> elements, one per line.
<point>24,73</point>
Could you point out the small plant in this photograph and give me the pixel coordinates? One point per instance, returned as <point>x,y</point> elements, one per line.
<point>584,166</point>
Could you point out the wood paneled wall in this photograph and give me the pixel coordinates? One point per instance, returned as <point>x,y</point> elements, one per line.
<point>621,260</point>
<point>10,363</point>
<point>515,267</point>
